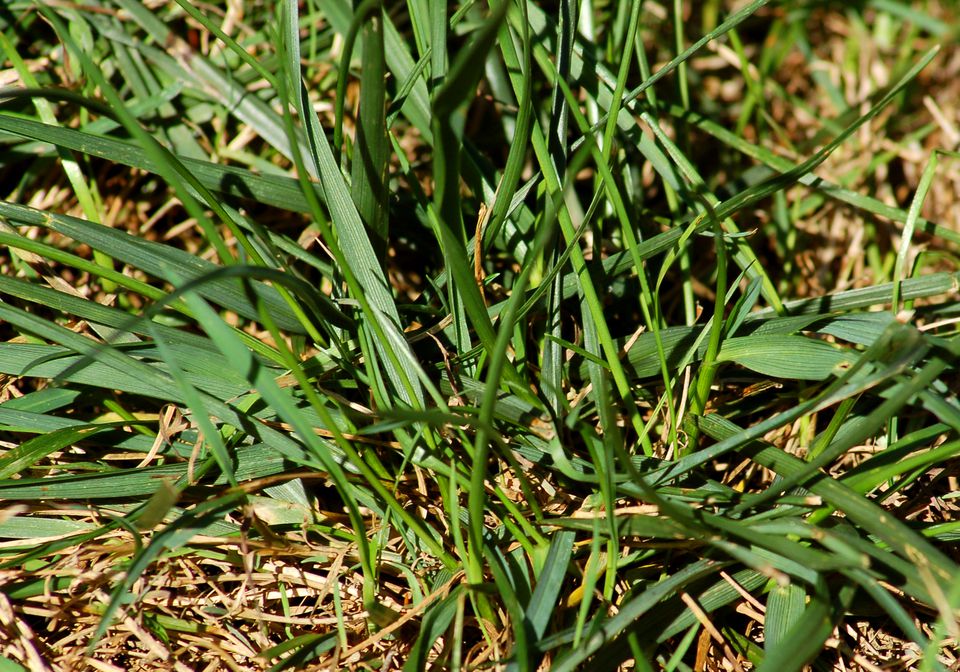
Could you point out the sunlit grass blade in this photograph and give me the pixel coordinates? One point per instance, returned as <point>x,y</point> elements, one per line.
<point>278,191</point>
<point>352,248</point>
<point>416,323</point>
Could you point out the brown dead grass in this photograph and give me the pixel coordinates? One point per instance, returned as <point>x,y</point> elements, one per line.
<point>215,605</point>
<point>220,603</point>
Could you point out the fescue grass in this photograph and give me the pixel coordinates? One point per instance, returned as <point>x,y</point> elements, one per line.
<point>499,335</point>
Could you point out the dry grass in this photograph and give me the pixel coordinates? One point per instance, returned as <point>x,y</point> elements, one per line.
<point>218,603</point>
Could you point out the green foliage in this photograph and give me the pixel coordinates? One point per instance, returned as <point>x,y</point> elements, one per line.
<point>553,366</point>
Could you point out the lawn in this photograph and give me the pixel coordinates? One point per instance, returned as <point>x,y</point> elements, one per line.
<point>502,335</point>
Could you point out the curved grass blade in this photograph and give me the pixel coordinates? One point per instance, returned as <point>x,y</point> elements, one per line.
<point>609,629</point>
<point>795,357</point>
<point>276,190</point>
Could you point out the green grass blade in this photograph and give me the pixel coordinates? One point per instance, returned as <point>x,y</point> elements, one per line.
<point>785,608</point>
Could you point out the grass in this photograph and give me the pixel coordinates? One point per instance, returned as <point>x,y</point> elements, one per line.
<point>485,336</point>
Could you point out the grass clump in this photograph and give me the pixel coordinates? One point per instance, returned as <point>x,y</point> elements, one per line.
<point>481,336</point>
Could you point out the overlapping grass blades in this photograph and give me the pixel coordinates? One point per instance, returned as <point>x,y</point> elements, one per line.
<point>529,449</point>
